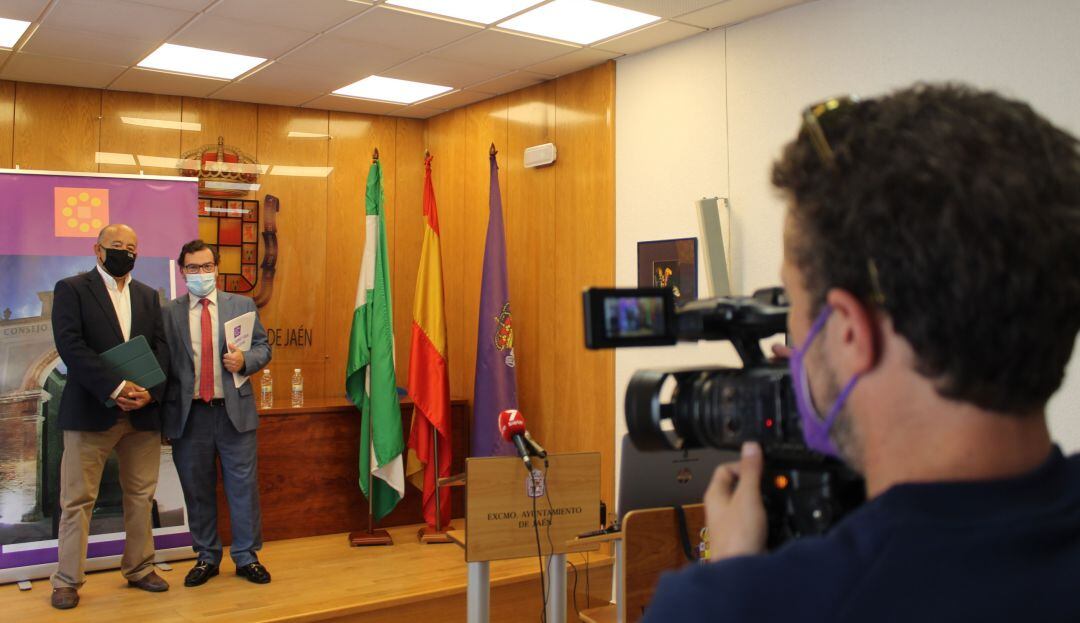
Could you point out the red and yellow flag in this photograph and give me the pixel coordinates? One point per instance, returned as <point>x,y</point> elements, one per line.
<point>429,381</point>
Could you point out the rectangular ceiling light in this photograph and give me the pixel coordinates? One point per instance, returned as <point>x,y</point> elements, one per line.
<point>11,30</point>
<point>182,59</point>
<point>479,11</point>
<point>579,21</point>
<point>391,90</point>
<point>163,124</point>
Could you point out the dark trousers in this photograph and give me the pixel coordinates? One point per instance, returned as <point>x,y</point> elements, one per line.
<point>208,435</point>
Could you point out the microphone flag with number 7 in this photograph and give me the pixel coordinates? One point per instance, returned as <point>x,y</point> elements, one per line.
<point>429,379</point>
<point>495,386</point>
<point>369,377</point>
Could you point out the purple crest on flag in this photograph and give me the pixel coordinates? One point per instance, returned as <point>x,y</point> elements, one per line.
<point>495,388</point>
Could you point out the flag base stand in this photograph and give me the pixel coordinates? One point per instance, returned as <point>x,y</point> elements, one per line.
<point>429,535</point>
<point>364,538</point>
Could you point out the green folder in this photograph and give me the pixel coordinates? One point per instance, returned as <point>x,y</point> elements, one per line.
<point>134,361</point>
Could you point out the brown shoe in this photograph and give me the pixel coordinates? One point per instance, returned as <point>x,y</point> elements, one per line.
<point>65,598</point>
<point>150,582</point>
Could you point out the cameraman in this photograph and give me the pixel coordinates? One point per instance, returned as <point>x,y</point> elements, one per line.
<point>932,261</point>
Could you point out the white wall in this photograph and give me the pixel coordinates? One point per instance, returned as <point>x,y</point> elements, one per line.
<point>708,115</point>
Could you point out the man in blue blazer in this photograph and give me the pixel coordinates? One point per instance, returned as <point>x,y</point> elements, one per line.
<point>206,416</point>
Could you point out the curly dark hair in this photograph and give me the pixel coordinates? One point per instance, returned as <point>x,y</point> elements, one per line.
<point>966,205</point>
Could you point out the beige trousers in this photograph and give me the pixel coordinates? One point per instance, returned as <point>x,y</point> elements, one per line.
<point>85,453</point>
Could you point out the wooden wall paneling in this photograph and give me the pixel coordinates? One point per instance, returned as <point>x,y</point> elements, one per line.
<point>485,124</point>
<point>299,301</point>
<point>530,234</point>
<point>585,252</point>
<point>446,141</point>
<point>408,236</point>
<point>236,122</point>
<point>7,122</point>
<point>354,138</point>
<point>133,141</point>
<point>56,127</point>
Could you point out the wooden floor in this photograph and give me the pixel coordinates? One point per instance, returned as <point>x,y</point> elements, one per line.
<point>319,579</point>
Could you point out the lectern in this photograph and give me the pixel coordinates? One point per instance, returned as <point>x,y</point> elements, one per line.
<point>503,500</point>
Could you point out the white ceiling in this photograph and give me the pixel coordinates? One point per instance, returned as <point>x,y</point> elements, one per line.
<point>317,46</point>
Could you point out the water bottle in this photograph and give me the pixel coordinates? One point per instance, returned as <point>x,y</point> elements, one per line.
<point>267,389</point>
<point>297,388</point>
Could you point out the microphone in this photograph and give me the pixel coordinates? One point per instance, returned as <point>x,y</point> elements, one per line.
<point>512,428</point>
<point>537,449</point>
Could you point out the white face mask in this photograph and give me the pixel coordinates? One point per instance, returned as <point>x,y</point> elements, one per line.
<point>201,284</point>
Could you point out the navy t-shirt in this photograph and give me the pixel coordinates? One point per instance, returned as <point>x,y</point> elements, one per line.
<point>989,551</point>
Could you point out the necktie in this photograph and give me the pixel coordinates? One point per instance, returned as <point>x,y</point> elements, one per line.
<point>206,355</point>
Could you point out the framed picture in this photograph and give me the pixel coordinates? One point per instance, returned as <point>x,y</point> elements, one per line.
<point>669,263</point>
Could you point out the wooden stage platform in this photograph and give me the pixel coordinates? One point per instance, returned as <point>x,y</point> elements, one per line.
<point>321,578</point>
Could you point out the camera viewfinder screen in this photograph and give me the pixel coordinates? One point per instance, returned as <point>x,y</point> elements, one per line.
<point>634,316</point>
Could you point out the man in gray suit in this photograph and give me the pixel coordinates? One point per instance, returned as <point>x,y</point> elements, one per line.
<point>206,416</point>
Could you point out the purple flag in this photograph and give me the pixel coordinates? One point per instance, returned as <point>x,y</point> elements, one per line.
<point>495,388</point>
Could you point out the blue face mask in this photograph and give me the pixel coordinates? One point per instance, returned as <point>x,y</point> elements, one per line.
<point>815,428</point>
<point>201,284</point>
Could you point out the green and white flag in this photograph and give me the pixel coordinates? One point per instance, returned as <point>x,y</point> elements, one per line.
<point>369,377</point>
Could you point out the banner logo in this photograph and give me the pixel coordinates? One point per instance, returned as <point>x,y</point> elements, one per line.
<point>80,212</point>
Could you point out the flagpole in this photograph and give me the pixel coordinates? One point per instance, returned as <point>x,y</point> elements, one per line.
<point>372,536</point>
<point>439,535</point>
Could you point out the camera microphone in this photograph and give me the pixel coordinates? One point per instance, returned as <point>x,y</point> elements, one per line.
<point>512,429</point>
<point>537,450</point>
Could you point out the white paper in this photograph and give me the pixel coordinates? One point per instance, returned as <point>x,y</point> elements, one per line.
<point>238,336</point>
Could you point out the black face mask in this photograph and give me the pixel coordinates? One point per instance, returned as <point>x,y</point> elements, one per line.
<point>118,262</point>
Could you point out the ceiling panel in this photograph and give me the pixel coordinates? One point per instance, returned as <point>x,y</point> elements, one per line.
<point>418,112</point>
<point>435,70</point>
<point>351,104</point>
<point>240,37</point>
<point>649,37</point>
<point>303,78</point>
<point>150,81</point>
<point>309,15</point>
<point>572,62</point>
<point>511,82</point>
<point>243,92</point>
<point>458,98</point>
<point>183,5</point>
<point>52,70</point>
<point>665,8</point>
<point>345,57</point>
<point>90,46</point>
<point>734,11</point>
<point>149,22</point>
<point>26,10</point>
<point>403,30</point>
<point>503,50</point>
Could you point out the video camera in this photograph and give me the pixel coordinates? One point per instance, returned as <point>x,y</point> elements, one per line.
<point>805,493</point>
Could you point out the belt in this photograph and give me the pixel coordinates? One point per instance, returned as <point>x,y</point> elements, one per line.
<point>216,402</point>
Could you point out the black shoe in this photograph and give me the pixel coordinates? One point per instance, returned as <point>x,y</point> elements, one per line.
<point>200,573</point>
<point>254,572</point>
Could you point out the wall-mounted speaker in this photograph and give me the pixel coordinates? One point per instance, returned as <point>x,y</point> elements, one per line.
<point>540,155</point>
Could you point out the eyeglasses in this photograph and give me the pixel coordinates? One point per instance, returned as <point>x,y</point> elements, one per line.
<point>814,117</point>
<point>192,269</point>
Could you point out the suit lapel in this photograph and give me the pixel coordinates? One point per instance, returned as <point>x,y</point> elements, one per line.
<point>224,311</point>
<point>182,319</point>
<point>101,293</point>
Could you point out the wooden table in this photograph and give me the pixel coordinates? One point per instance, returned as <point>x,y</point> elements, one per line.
<point>309,470</point>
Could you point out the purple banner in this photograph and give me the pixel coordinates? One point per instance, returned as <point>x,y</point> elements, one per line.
<point>46,555</point>
<point>496,385</point>
<point>61,214</point>
<point>49,223</point>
